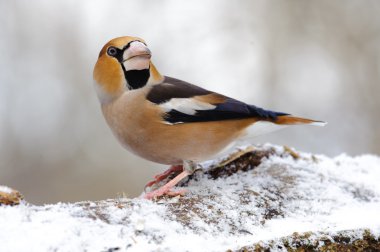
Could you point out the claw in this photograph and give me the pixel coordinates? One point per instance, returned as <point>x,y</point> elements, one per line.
<point>166,189</point>
<point>176,193</point>
<point>158,178</point>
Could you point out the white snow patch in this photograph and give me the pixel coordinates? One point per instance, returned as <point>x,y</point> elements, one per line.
<point>5,189</point>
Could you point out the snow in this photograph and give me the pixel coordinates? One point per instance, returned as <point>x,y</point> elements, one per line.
<point>281,196</point>
<point>5,189</point>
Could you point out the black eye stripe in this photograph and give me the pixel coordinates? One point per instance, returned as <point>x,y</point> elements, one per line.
<point>118,55</point>
<point>127,46</point>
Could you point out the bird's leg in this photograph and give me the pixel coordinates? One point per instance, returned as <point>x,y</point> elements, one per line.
<point>188,169</point>
<point>158,178</point>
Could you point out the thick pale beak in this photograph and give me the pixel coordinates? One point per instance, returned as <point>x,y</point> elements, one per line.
<point>137,49</point>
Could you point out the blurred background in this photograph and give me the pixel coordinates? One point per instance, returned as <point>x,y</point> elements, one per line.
<point>318,59</point>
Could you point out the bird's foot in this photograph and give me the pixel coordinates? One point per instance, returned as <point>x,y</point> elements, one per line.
<point>158,193</point>
<point>167,188</point>
<point>158,178</point>
<point>235,155</point>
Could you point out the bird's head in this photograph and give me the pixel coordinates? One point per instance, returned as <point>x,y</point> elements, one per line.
<point>124,64</point>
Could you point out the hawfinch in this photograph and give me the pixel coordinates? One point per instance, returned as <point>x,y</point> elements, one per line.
<point>170,121</point>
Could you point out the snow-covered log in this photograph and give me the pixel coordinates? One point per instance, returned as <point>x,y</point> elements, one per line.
<point>270,198</point>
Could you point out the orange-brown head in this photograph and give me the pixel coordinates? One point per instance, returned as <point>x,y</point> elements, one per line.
<point>123,64</point>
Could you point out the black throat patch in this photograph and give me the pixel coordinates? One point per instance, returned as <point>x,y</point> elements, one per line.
<point>136,78</point>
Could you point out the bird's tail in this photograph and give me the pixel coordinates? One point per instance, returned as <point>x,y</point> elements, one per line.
<point>292,120</point>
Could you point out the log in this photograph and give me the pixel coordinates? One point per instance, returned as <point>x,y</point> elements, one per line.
<point>271,198</point>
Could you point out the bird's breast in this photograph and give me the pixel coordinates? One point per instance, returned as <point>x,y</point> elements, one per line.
<point>136,123</point>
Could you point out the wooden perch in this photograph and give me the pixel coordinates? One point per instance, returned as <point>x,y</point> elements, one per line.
<point>269,199</point>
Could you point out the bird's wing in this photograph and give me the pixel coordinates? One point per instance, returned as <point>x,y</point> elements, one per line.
<point>183,102</point>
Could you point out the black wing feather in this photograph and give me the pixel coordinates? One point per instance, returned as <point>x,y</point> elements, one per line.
<point>228,110</point>
<point>174,88</point>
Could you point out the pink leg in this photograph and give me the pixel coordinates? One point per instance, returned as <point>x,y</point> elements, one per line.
<point>164,175</point>
<point>166,188</point>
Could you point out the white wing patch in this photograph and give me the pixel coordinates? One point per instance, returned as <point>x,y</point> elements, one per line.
<point>186,105</point>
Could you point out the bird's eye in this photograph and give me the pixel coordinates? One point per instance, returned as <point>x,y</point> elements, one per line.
<point>111,51</point>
